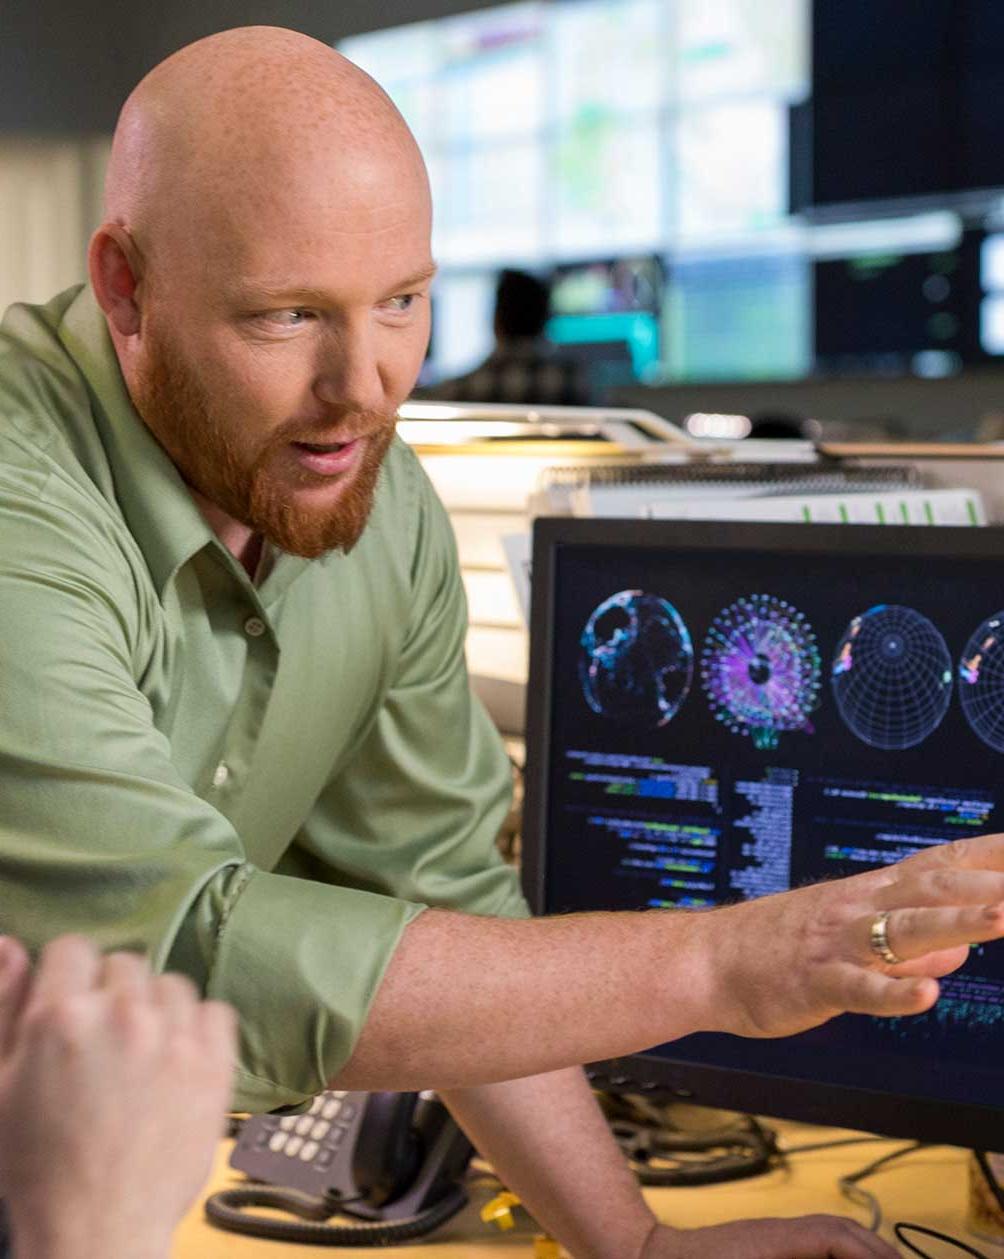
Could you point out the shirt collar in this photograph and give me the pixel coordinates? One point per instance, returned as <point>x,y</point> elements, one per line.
<point>161,514</point>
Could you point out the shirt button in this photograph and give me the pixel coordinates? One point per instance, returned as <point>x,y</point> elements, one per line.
<point>254,627</point>
<point>220,774</point>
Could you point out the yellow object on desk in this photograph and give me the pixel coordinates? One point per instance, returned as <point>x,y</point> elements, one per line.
<point>499,1210</point>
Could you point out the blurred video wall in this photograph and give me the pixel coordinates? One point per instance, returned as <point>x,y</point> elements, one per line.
<point>684,172</point>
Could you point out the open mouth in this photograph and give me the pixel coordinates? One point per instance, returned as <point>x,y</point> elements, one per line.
<point>328,458</point>
<point>327,448</point>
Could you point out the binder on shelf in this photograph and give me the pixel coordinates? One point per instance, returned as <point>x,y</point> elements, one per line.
<point>906,507</point>
<point>618,490</point>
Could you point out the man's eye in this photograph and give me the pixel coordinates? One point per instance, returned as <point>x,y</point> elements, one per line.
<point>404,302</point>
<point>291,318</point>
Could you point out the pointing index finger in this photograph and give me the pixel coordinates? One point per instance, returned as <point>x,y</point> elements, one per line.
<point>981,852</point>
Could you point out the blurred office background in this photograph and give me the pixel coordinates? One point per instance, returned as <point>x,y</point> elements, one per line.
<point>786,208</point>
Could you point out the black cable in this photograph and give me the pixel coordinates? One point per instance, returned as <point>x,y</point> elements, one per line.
<point>851,1190</point>
<point>645,1133</point>
<point>831,1145</point>
<point>990,1178</point>
<point>900,1228</point>
<point>661,1153</point>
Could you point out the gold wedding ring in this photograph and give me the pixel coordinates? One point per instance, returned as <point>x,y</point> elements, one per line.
<point>878,938</point>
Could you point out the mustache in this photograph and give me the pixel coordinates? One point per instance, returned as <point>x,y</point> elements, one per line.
<point>344,427</point>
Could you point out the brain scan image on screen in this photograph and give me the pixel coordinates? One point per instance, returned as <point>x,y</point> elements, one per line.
<point>761,669</point>
<point>892,677</point>
<point>636,660</point>
<point>981,681</point>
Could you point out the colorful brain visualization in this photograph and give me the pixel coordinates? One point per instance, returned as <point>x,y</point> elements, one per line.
<point>981,682</point>
<point>761,669</point>
<point>892,677</point>
<point>636,660</point>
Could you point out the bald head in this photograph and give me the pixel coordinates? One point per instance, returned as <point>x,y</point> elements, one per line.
<point>264,269</point>
<point>241,120</point>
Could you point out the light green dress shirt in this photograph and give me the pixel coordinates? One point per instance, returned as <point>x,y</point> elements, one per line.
<point>260,785</point>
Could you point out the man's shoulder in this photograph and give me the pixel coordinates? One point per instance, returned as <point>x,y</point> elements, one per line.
<point>406,493</point>
<point>45,407</point>
<point>408,525</point>
<point>50,448</point>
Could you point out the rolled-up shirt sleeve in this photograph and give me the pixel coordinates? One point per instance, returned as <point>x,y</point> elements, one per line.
<point>101,834</point>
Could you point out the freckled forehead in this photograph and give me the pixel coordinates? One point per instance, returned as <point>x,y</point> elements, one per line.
<point>265,218</point>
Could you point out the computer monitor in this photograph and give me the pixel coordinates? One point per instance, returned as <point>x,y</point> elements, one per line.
<point>723,710</point>
<point>897,311</point>
<point>606,311</point>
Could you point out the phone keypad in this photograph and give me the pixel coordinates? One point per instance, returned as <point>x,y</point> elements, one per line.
<point>312,1138</point>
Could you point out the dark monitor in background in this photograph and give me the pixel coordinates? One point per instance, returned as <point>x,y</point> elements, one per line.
<point>891,312</point>
<point>607,312</point>
<point>720,711</point>
<point>896,311</point>
<point>907,101</point>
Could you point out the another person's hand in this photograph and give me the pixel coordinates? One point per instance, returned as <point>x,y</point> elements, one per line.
<point>113,1087</point>
<point>811,1237</point>
<point>788,962</point>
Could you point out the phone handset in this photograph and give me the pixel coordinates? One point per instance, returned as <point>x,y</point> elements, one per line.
<point>393,1162</point>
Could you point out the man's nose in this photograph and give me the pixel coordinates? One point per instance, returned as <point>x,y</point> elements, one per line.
<point>349,374</point>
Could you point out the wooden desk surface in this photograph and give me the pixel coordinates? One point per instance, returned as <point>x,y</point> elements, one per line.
<point>928,1187</point>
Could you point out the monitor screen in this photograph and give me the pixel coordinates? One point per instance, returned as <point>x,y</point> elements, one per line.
<point>897,310</point>
<point>606,311</point>
<point>723,711</point>
<point>738,318</point>
<point>932,72</point>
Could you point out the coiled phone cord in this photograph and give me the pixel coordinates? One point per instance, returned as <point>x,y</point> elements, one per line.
<point>227,1209</point>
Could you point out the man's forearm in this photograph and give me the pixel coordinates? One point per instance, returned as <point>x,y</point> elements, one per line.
<point>549,1143</point>
<point>468,1000</point>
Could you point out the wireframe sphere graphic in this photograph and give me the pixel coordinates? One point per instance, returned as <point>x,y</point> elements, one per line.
<point>636,660</point>
<point>761,669</point>
<point>892,677</point>
<point>981,681</point>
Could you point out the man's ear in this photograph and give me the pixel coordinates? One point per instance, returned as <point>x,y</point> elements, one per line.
<point>114,265</point>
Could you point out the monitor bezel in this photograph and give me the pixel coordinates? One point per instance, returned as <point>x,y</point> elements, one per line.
<point>809,1101</point>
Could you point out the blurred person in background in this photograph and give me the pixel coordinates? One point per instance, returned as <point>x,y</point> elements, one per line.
<point>524,368</point>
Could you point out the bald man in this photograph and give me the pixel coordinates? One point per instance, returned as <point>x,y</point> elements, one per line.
<point>236,731</point>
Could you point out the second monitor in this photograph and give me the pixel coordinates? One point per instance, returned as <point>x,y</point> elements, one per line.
<point>723,711</point>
